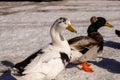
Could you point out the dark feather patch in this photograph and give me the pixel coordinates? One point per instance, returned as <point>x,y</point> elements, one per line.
<point>78,38</point>
<point>21,65</point>
<point>84,50</point>
<point>117,32</point>
<point>82,42</point>
<point>98,37</point>
<point>64,57</point>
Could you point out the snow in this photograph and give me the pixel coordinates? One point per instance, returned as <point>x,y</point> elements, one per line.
<point>24,29</point>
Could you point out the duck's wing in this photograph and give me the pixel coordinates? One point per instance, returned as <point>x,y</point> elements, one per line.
<point>49,64</point>
<point>42,62</point>
<point>91,54</point>
<point>117,32</point>
<point>19,68</point>
<point>82,42</point>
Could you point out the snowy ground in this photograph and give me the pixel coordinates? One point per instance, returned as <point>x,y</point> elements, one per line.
<point>24,29</point>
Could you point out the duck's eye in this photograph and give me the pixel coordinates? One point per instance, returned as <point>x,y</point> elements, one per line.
<point>64,21</point>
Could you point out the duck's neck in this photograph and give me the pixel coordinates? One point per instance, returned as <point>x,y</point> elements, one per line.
<point>58,39</point>
<point>93,28</point>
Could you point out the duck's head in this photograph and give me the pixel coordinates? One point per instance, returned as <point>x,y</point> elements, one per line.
<point>98,22</point>
<point>63,23</point>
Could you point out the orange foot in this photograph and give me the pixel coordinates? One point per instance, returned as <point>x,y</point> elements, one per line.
<point>85,67</point>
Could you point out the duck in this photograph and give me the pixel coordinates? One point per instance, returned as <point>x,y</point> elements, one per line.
<point>90,46</point>
<point>49,61</point>
<point>117,32</point>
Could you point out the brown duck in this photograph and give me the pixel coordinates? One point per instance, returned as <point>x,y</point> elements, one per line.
<point>91,45</point>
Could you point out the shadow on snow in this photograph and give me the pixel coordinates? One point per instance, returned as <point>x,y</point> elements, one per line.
<point>110,65</point>
<point>112,44</point>
<point>7,76</point>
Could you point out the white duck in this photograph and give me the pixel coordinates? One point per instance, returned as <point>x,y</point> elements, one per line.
<point>48,62</point>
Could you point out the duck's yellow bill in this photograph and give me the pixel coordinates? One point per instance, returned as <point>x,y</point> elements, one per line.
<point>108,25</point>
<point>70,28</point>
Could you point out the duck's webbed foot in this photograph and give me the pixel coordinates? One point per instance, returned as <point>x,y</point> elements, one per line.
<point>86,67</point>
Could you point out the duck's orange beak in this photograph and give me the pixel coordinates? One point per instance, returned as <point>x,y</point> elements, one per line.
<point>108,25</point>
<point>70,28</point>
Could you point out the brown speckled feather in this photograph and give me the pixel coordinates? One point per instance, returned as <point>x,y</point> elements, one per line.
<point>96,36</point>
<point>82,42</point>
<point>90,46</point>
<point>99,38</point>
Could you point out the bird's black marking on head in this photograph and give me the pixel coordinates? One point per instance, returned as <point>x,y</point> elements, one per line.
<point>62,19</point>
<point>21,65</point>
<point>64,57</point>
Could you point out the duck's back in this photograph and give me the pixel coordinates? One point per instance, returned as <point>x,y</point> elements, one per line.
<point>82,42</point>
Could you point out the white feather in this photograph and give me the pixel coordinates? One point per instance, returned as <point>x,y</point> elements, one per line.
<point>48,65</point>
